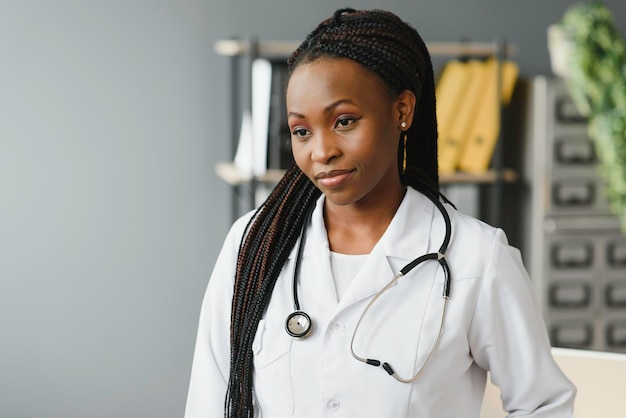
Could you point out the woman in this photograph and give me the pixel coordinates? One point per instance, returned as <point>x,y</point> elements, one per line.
<point>320,304</point>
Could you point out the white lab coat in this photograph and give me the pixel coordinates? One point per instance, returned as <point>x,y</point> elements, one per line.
<point>492,324</point>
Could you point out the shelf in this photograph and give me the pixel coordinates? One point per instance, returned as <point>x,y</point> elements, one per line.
<point>488,177</point>
<point>234,177</point>
<point>285,48</point>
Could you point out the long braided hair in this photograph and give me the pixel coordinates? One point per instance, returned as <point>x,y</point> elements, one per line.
<point>395,52</point>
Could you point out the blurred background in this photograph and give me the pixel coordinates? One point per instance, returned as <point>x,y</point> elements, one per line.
<point>114,115</point>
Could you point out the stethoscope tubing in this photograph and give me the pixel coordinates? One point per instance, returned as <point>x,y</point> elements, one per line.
<point>296,269</point>
<point>297,331</point>
<point>299,324</point>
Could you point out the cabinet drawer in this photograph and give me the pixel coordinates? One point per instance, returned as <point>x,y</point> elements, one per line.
<point>580,195</point>
<point>567,254</point>
<point>616,335</point>
<point>616,253</point>
<point>615,294</point>
<point>574,334</point>
<point>573,193</point>
<point>574,150</point>
<point>570,295</point>
<point>565,112</point>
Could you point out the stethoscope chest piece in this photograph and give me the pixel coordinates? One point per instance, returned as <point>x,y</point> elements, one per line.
<point>298,324</point>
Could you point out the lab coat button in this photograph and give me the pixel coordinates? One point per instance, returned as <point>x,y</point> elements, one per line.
<point>333,405</point>
<point>338,327</point>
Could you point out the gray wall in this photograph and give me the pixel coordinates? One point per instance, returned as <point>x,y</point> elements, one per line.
<point>112,114</point>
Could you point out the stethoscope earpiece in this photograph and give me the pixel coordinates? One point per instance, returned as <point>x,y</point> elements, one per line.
<point>298,324</point>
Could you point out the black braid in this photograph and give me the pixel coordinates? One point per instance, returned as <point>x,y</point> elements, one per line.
<point>270,236</point>
<point>395,52</point>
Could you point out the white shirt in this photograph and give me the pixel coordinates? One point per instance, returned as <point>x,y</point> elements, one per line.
<point>492,324</point>
<point>344,268</point>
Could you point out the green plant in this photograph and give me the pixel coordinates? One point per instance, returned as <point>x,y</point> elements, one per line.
<point>596,80</point>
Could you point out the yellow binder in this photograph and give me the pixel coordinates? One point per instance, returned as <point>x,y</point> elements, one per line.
<point>455,136</point>
<point>483,136</point>
<point>449,92</point>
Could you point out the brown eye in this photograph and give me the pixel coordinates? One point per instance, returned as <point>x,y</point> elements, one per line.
<point>299,132</point>
<point>344,122</point>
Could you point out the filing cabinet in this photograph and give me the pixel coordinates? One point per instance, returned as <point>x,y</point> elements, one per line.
<point>573,246</point>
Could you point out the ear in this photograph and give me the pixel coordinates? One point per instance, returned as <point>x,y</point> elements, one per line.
<point>404,107</point>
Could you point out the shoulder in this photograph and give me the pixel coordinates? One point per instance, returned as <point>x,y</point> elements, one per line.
<point>474,243</point>
<point>238,228</point>
<point>227,257</point>
<point>468,228</point>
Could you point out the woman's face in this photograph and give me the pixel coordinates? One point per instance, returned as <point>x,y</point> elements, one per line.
<point>345,130</point>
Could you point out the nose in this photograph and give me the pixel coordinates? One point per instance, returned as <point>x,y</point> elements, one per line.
<point>324,148</point>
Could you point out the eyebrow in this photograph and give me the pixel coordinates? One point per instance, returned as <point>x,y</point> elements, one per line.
<point>328,109</point>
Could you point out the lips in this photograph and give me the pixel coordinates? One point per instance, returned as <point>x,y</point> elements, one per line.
<point>333,179</point>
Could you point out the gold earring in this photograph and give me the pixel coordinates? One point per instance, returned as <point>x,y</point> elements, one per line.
<point>404,156</point>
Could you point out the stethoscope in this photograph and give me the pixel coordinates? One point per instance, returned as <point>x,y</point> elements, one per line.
<point>299,324</point>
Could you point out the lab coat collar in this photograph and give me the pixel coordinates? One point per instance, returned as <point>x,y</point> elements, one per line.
<point>408,232</point>
<point>407,237</point>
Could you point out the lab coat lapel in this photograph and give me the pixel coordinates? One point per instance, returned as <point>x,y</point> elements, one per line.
<point>406,238</point>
